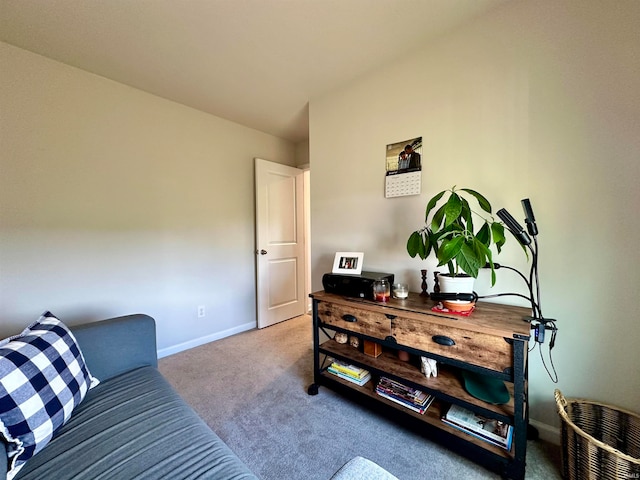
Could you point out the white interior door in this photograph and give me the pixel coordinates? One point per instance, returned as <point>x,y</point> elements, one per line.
<point>280,254</point>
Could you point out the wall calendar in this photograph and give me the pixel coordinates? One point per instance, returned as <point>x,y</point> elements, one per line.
<point>403,184</point>
<point>404,168</point>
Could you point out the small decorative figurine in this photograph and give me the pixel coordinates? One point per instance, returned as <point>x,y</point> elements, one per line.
<point>340,337</point>
<point>354,341</point>
<point>428,366</point>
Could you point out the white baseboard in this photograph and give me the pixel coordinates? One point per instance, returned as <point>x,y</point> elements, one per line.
<point>196,342</point>
<point>547,432</point>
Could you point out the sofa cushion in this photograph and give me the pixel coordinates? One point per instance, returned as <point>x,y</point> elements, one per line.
<point>135,425</point>
<point>360,468</point>
<point>43,377</point>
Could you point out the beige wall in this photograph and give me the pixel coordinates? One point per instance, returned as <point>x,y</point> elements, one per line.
<point>538,99</point>
<point>302,154</point>
<point>114,201</point>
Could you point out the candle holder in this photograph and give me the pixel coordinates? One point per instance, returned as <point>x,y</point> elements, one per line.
<point>400,290</point>
<point>381,290</point>
<point>424,287</point>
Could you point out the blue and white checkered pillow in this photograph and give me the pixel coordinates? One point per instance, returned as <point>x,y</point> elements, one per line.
<point>43,376</point>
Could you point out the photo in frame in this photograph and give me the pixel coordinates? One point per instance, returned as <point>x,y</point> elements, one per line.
<point>404,168</point>
<point>348,262</point>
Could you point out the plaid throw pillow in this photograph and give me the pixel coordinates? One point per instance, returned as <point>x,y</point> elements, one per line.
<point>42,378</point>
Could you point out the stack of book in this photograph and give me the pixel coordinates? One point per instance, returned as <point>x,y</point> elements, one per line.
<point>411,398</point>
<point>488,429</point>
<point>348,372</point>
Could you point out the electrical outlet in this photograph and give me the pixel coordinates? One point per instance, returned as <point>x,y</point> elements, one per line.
<point>201,311</point>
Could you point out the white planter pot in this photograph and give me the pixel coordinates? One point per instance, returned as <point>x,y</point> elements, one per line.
<point>459,284</point>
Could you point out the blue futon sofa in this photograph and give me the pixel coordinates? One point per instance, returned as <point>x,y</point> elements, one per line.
<point>133,425</point>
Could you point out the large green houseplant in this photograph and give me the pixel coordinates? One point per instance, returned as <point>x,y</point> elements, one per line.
<point>450,233</point>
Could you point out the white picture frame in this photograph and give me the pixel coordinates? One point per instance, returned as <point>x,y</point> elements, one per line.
<point>348,262</point>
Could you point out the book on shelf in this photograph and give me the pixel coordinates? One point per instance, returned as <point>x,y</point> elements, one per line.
<point>358,381</point>
<point>347,369</point>
<point>490,430</point>
<point>404,395</point>
<point>348,372</point>
<point>401,391</point>
<point>415,408</point>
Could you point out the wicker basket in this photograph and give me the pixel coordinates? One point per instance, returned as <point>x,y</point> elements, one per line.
<point>598,441</point>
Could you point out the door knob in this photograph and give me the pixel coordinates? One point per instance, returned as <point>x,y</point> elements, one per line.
<point>262,252</point>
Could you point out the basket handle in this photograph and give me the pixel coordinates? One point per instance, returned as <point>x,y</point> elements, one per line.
<point>560,400</point>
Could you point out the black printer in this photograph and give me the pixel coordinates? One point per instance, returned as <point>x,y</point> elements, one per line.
<point>359,286</point>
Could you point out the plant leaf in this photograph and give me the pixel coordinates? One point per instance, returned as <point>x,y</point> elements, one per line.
<point>449,249</point>
<point>466,214</point>
<point>436,221</point>
<point>484,253</point>
<point>414,244</point>
<point>484,234</point>
<point>432,239</point>
<point>482,201</point>
<point>493,270</point>
<point>469,259</point>
<point>432,204</point>
<point>452,270</point>
<point>497,230</point>
<point>425,245</point>
<point>452,209</point>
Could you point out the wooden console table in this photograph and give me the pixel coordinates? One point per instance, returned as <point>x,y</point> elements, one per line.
<point>491,341</point>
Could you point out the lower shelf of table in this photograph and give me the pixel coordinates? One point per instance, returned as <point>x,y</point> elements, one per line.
<point>447,383</point>
<point>431,417</point>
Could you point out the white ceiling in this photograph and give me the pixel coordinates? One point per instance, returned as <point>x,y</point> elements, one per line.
<point>254,62</point>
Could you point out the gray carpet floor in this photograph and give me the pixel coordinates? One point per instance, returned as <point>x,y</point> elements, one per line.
<point>251,389</point>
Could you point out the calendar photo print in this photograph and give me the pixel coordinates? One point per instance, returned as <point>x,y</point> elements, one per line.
<point>403,168</point>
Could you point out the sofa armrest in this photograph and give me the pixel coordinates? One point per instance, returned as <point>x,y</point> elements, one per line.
<point>110,347</point>
<point>360,468</point>
<point>116,345</point>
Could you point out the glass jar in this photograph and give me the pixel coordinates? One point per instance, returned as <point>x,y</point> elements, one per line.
<point>400,290</point>
<point>381,290</point>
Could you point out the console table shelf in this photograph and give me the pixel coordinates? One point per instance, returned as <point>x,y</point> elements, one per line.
<point>431,416</point>
<point>447,382</point>
<point>491,341</point>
